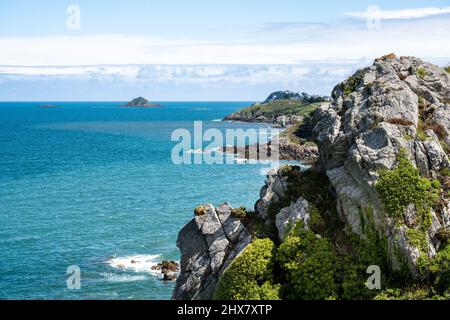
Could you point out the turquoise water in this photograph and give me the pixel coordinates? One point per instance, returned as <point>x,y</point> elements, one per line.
<point>93,185</point>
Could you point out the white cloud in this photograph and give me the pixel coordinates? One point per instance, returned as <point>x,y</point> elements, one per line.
<point>180,74</point>
<point>126,70</point>
<point>414,13</point>
<point>346,41</point>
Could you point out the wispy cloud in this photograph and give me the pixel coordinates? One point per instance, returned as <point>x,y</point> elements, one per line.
<point>166,82</point>
<point>206,74</point>
<point>413,13</point>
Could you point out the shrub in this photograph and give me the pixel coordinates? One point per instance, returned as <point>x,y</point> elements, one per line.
<point>309,184</point>
<point>409,294</point>
<point>440,268</point>
<point>310,264</point>
<point>199,211</point>
<point>354,281</point>
<point>438,129</point>
<point>403,186</point>
<point>436,184</point>
<point>421,72</point>
<point>445,172</point>
<point>422,103</point>
<point>418,239</point>
<point>389,56</point>
<point>351,84</point>
<point>316,223</point>
<point>443,234</point>
<point>249,277</point>
<point>239,213</point>
<point>400,121</point>
<point>447,69</point>
<point>421,135</point>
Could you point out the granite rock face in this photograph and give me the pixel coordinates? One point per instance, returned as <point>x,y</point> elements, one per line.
<point>208,245</point>
<point>289,216</point>
<point>273,191</point>
<point>397,103</point>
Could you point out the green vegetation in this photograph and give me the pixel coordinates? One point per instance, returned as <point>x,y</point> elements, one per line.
<point>440,268</point>
<point>373,249</point>
<point>309,184</point>
<point>421,135</point>
<point>407,137</point>
<point>447,69</point>
<point>421,73</point>
<point>409,294</point>
<point>421,102</point>
<point>445,172</point>
<point>310,264</point>
<point>351,84</point>
<point>250,276</point>
<point>199,211</point>
<point>403,186</point>
<point>418,239</point>
<point>316,222</point>
<point>443,234</point>
<point>329,261</point>
<point>239,213</point>
<point>274,109</point>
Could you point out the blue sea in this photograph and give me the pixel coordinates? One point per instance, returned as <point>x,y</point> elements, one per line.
<point>92,184</point>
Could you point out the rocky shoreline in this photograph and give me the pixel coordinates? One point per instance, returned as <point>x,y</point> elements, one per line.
<point>288,150</point>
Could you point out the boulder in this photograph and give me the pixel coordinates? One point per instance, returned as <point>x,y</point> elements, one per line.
<point>208,245</point>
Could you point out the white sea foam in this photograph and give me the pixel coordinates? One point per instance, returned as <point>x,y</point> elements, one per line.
<point>241,160</point>
<point>136,263</point>
<point>216,149</point>
<point>195,151</point>
<point>217,120</point>
<point>114,277</point>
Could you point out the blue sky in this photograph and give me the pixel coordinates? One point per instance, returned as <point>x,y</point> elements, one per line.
<point>205,50</point>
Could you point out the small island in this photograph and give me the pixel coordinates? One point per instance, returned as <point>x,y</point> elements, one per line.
<point>141,102</point>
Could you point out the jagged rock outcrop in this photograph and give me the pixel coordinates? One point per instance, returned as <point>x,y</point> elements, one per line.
<point>273,191</point>
<point>208,245</point>
<point>397,103</point>
<point>289,216</point>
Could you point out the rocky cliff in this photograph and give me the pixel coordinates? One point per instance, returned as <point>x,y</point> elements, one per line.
<point>394,105</point>
<point>378,195</point>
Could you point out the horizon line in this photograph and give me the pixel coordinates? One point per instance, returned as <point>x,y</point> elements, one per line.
<point>5,101</point>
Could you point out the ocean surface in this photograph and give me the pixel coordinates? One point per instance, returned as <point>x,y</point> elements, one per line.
<point>91,184</point>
